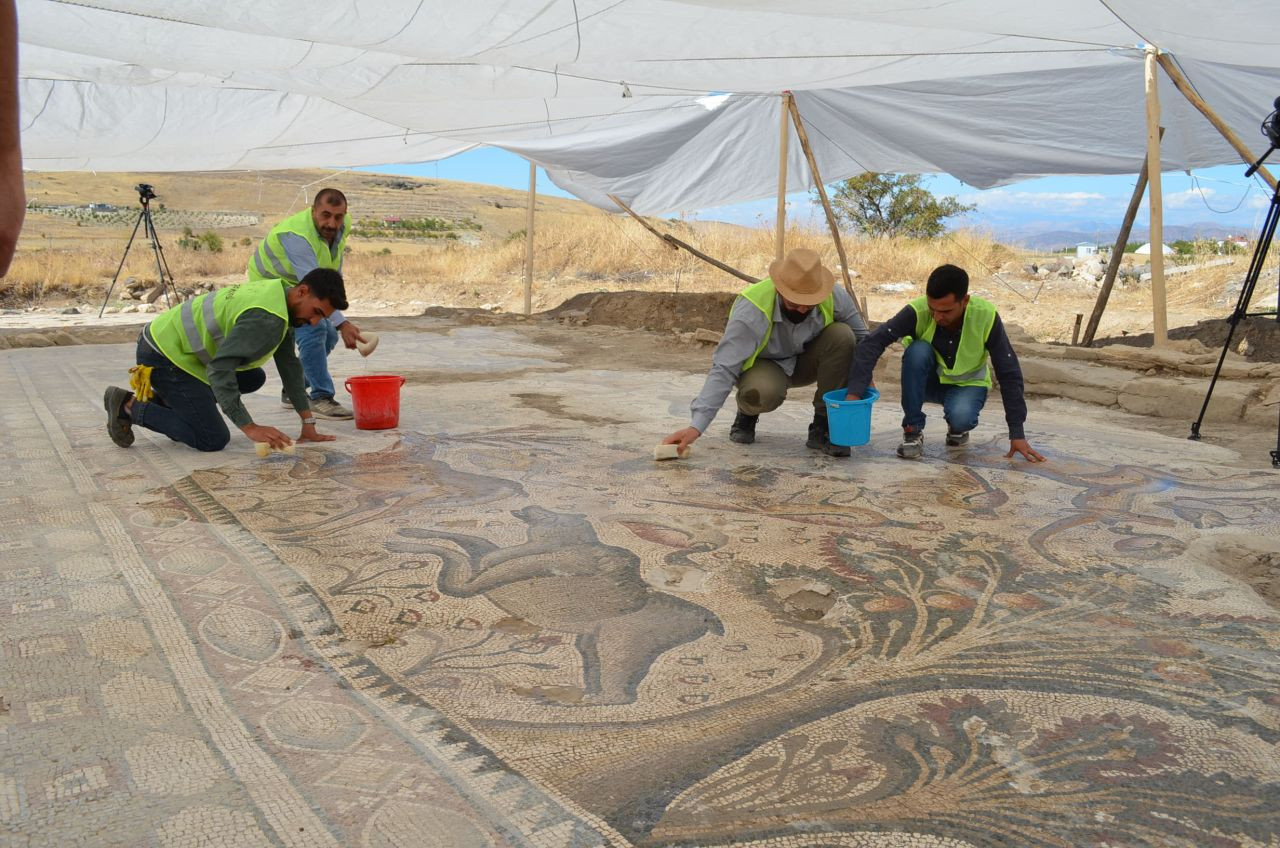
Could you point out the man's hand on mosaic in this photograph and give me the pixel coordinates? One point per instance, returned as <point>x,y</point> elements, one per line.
<point>270,435</point>
<point>683,438</point>
<point>1023,447</point>
<point>311,434</point>
<point>350,334</point>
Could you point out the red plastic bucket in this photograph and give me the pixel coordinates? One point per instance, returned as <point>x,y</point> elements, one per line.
<point>376,400</point>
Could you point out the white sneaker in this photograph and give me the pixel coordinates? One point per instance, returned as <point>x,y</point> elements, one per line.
<point>327,407</point>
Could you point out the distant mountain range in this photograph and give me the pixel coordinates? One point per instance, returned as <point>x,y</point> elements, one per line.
<point>1037,238</point>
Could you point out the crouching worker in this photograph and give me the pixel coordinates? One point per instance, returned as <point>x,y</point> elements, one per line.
<point>949,337</point>
<point>205,353</point>
<point>792,328</point>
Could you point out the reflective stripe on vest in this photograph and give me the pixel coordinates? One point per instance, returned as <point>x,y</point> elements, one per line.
<point>189,335</point>
<point>971,365</point>
<point>764,296</point>
<point>209,314</point>
<point>271,260</point>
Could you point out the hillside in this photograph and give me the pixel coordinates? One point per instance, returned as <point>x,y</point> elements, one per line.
<point>246,204</point>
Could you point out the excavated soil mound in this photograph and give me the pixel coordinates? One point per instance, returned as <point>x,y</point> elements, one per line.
<point>649,310</point>
<point>1261,334</point>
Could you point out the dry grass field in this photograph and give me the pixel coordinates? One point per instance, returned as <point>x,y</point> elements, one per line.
<point>68,255</point>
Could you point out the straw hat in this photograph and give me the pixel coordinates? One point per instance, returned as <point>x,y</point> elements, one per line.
<point>800,277</point>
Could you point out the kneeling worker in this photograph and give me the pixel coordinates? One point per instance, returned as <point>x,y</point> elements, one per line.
<point>949,336</point>
<point>207,352</point>
<point>776,338</point>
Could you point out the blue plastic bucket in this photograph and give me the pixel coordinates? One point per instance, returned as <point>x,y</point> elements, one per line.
<point>850,420</point>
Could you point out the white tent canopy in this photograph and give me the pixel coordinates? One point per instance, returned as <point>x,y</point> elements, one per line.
<point>988,90</point>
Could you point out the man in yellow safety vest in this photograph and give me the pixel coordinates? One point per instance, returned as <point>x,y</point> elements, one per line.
<point>205,353</point>
<point>311,238</point>
<point>953,342</point>
<point>793,328</point>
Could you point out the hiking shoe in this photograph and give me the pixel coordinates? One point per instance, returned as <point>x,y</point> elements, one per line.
<point>743,430</point>
<point>957,440</point>
<point>327,407</point>
<point>912,446</point>
<point>119,427</point>
<point>820,439</point>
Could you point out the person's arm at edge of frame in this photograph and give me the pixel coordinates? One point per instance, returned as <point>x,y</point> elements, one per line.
<point>742,334</point>
<point>290,369</point>
<point>1005,363</point>
<point>13,198</point>
<point>870,349</point>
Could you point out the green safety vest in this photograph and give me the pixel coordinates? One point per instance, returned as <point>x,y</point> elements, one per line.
<point>188,335</point>
<point>970,368</point>
<point>764,296</point>
<point>270,262</point>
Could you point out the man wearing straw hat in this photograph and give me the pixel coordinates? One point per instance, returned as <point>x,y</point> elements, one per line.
<point>953,343</point>
<point>792,328</point>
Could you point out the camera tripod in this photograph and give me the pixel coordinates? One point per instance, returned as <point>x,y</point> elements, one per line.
<point>167,285</point>
<point>1242,305</point>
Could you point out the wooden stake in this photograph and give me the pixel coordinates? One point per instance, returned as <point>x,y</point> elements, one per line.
<point>822,195</point>
<point>784,142</point>
<point>1180,82</point>
<point>1117,254</point>
<point>1075,331</point>
<point>528,240</point>
<point>675,243</point>
<point>1155,200</point>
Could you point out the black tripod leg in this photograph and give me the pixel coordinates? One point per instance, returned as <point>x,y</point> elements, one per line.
<point>1242,304</point>
<point>155,248</point>
<point>123,257</point>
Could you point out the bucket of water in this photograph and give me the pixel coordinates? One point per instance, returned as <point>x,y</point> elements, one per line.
<point>376,400</point>
<point>850,420</point>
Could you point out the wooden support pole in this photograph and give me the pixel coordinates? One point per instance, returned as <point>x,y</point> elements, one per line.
<point>1180,82</point>
<point>822,195</point>
<point>528,240</point>
<point>1075,331</point>
<point>784,142</point>
<point>1155,201</point>
<point>675,243</point>
<point>1117,254</point>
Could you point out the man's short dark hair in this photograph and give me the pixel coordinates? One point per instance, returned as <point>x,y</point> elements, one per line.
<point>326,284</point>
<point>329,197</point>
<point>947,279</point>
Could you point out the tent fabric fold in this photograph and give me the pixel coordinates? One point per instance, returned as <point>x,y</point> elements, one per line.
<point>667,104</point>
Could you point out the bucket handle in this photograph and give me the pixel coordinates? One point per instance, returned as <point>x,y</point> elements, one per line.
<point>347,383</point>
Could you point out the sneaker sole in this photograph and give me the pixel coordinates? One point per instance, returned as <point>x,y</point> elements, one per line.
<point>331,417</point>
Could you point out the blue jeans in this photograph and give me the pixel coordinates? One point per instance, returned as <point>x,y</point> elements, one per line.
<point>920,383</point>
<point>315,342</point>
<point>184,409</point>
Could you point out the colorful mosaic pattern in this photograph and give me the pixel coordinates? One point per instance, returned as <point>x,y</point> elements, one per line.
<point>527,634</point>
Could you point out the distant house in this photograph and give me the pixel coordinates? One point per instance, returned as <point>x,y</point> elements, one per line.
<point>1086,248</point>
<point>1145,250</point>
<point>101,207</point>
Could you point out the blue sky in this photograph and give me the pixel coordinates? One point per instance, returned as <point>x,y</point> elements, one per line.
<point>1218,196</point>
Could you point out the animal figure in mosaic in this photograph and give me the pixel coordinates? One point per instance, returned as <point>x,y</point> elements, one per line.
<point>564,579</point>
<point>395,482</point>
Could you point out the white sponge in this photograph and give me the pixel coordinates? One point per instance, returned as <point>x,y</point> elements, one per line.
<point>263,449</point>
<point>671,452</point>
<point>366,343</point>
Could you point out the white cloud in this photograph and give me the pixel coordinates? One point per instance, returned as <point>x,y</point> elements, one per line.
<point>1003,200</point>
<point>1190,198</point>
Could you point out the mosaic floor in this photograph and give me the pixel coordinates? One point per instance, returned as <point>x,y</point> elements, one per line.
<point>503,624</point>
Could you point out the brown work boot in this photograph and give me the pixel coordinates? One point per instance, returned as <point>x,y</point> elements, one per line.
<point>119,426</point>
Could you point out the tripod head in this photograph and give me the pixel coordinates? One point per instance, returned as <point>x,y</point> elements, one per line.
<point>1271,129</point>
<point>146,193</point>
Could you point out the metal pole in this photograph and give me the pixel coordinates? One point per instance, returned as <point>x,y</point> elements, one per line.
<point>1155,199</point>
<point>528,240</point>
<point>784,139</point>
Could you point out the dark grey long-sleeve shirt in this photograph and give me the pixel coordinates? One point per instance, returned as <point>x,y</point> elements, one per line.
<point>255,334</point>
<point>742,335</point>
<point>947,342</point>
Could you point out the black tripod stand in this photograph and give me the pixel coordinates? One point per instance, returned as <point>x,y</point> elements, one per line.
<point>145,195</point>
<point>1242,305</point>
